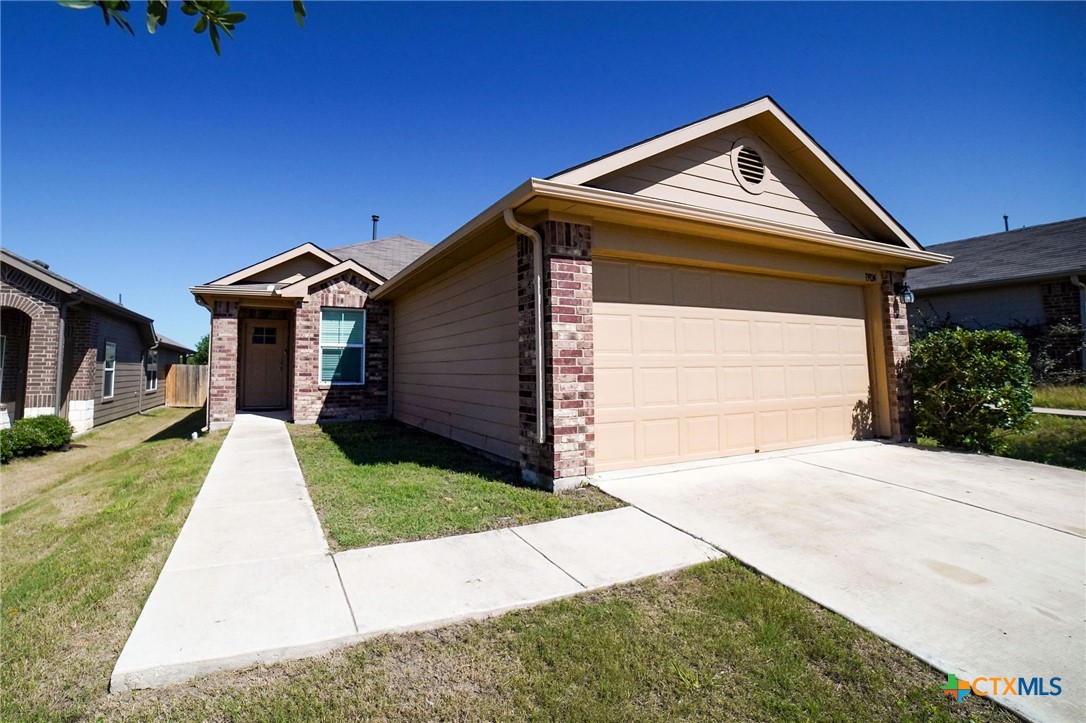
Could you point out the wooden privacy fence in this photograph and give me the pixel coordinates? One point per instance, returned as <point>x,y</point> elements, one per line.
<point>186,385</point>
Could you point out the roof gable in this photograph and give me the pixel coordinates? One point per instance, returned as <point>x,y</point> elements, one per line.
<point>301,287</point>
<point>693,165</point>
<point>287,267</point>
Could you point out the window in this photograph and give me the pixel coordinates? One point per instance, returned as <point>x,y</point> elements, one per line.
<point>264,335</point>
<point>152,371</point>
<point>343,346</point>
<point>109,370</point>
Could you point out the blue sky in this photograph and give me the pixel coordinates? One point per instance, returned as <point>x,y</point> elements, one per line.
<point>143,165</point>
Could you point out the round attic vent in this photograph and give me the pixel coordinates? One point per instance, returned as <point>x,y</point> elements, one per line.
<point>748,165</point>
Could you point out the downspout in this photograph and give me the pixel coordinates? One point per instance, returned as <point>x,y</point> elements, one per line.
<point>210,348</point>
<point>537,282</point>
<point>1081,314</point>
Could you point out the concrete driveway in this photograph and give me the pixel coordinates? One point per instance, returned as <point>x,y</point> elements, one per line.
<point>973,563</point>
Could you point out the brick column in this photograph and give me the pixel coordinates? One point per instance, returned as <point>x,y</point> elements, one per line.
<point>223,383</point>
<point>81,347</point>
<point>41,367</point>
<point>566,457</point>
<point>895,329</point>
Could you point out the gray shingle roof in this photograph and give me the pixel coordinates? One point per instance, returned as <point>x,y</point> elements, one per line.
<point>1051,249</point>
<point>385,256</point>
<point>167,341</point>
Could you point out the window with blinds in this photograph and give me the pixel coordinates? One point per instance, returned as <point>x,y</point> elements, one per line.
<point>343,346</point>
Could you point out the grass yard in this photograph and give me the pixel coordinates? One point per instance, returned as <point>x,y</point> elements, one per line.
<point>85,534</point>
<point>1069,397</point>
<point>716,642</point>
<point>1059,441</point>
<point>380,482</point>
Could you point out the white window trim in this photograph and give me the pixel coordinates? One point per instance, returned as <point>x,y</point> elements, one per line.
<point>151,374</point>
<point>106,368</point>
<point>321,346</point>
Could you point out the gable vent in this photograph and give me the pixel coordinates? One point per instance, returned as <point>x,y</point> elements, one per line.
<point>748,165</point>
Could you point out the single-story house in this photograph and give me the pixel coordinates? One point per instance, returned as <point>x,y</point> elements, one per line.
<point>69,351</point>
<point>1034,276</point>
<point>723,288</point>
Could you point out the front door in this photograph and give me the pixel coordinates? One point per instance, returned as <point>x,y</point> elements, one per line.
<point>264,376</point>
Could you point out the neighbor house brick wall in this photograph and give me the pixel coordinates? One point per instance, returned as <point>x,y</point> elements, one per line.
<point>566,456</point>
<point>40,302</point>
<point>314,401</point>
<point>895,327</point>
<point>1063,306</point>
<point>81,349</point>
<point>223,383</point>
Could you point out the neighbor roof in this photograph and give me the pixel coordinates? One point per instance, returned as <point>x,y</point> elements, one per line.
<point>385,256</point>
<point>1036,252</point>
<point>167,341</point>
<point>67,286</point>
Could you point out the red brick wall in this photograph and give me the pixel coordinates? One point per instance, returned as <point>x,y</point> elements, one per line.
<point>1062,305</point>
<point>314,401</point>
<point>40,302</point>
<point>223,383</point>
<point>895,324</point>
<point>567,454</point>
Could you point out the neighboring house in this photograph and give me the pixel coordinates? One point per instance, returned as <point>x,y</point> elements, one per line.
<point>66,350</point>
<point>724,288</point>
<point>1033,276</point>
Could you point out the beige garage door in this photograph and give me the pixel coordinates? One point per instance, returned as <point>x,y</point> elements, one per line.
<point>694,364</point>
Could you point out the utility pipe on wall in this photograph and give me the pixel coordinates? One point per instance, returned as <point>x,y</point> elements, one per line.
<point>537,282</point>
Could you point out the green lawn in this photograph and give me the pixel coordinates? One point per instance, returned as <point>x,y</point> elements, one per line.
<point>716,642</point>
<point>1069,397</point>
<point>379,482</point>
<point>1060,441</point>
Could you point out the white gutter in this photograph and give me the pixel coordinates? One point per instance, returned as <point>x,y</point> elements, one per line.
<point>537,282</point>
<point>1081,314</point>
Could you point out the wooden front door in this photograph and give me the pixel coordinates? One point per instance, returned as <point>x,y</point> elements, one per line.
<point>264,376</point>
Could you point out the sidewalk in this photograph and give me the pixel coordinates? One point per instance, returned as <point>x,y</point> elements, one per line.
<point>1060,412</point>
<point>250,579</point>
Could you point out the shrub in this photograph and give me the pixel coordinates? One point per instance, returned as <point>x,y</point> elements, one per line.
<point>35,435</point>
<point>972,387</point>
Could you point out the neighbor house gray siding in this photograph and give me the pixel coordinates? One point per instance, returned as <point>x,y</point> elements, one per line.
<point>130,393</point>
<point>985,308</point>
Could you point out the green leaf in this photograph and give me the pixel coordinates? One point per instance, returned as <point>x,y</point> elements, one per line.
<point>232,18</point>
<point>215,39</point>
<point>189,8</point>
<point>76,4</point>
<point>156,14</point>
<point>299,12</point>
<point>201,25</point>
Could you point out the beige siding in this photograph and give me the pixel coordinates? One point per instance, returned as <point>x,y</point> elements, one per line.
<point>455,369</point>
<point>700,174</point>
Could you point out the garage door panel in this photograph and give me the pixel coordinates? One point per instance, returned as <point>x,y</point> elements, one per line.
<point>661,438</point>
<point>785,364</point>
<point>660,387</point>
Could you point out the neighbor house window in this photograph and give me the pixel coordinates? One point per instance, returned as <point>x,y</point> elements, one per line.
<point>343,346</point>
<point>152,371</point>
<point>109,370</point>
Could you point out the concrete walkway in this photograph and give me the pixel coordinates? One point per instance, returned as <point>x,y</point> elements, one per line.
<point>250,579</point>
<point>1060,412</point>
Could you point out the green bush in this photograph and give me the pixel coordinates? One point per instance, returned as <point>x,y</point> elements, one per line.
<point>36,435</point>
<point>972,388</point>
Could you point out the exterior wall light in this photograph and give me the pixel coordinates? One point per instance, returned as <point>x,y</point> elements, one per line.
<point>903,292</point>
